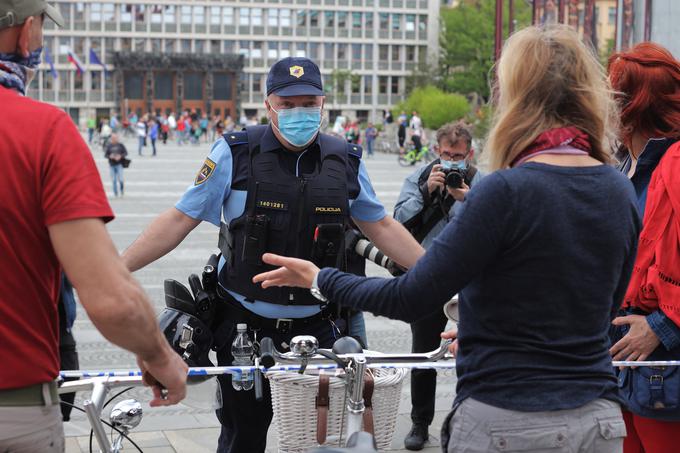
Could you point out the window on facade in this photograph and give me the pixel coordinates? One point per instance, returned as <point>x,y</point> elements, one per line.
<point>328,51</point>
<point>126,44</point>
<point>257,49</point>
<point>95,44</point>
<point>228,15</point>
<point>342,19</point>
<point>134,85</point>
<point>273,17</point>
<point>612,15</point>
<point>422,54</point>
<point>301,18</point>
<point>95,12</point>
<point>257,84</point>
<point>199,15</point>
<point>222,86</point>
<point>186,45</point>
<point>356,21</point>
<point>108,48</point>
<point>285,17</point>
<point>313,18</point>
<point>285,50</point>
<point>156,45</point>
<point>200,46</point>
<point>356,52</point>
<point>383,52</point>
<point>384,21</point>
<point>169,45</point>
<point>78,81</point>
<point>422,23</point>
<point>95,80</point>
<point>396,21</point>
<point>139,44</point>
<point>368,84</point>
<point>65,10</point>
<point>214,46</point>
<point>410,53</point>
<point>396,53</point>
<point>193,86</point>
<point>313,51</point>
<point>382,84</point>
<point>244,16</point>
<point>329,21</point>
<point>244,48</point>
<point>169,14</point>
<point>228,46</point>
<point>368,52</point>
<point>369,21</point>
<point>185,14</point>
<point>395,85</point>
<point>410,22</point>
<point>342,51</point>
<point>79,12</point>
<point>215,15</point>
<point>162,85</point>
<point>256,16</point>
<point>273,50</point>
<point>140,11</point>
<point>79,47</point>
<point>108,12</point>
<point>301,50</point>
<point>356,85</point>
<point>47,80</point>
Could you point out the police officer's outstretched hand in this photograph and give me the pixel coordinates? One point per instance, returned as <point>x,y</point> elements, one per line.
<point>166,374</point>
<point>293,272</point>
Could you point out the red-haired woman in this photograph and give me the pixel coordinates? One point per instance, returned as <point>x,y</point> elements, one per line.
<point>648,80</point>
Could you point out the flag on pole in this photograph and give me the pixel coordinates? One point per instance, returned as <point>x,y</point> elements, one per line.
<point>48,60</point>
<point>94,59</point>
<point>73,58</point>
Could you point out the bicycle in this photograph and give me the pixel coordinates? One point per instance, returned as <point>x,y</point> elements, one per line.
<point>413,156</point>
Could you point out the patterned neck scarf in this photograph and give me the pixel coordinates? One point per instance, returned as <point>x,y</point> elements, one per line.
<point>16,72</point>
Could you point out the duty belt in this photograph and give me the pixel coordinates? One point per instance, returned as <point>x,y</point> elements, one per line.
<point>232,309</point>
<point>44,394</point>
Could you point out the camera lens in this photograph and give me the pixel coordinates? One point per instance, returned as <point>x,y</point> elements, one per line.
<point>454,179</point>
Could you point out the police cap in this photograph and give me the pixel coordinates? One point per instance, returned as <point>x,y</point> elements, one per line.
<point>294,76</point>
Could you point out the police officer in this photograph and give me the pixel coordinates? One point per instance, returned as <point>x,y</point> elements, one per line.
<point>283,188</point>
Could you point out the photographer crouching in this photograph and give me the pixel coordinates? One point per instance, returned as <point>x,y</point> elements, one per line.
<point>429,198</point>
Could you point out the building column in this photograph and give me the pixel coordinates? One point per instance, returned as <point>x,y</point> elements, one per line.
<point>209,91</point>
<point>179,85</point>
<point>149,91</point>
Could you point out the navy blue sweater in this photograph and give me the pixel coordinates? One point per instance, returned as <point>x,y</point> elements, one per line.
<point>541,256</point>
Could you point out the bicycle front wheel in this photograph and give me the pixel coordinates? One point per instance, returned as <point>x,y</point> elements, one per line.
<point>405,161</point>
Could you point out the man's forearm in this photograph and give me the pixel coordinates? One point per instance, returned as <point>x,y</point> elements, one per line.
<point>393,240</point>
<point>159,238</point>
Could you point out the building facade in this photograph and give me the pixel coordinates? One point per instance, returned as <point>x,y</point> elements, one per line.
<point>189,53</point>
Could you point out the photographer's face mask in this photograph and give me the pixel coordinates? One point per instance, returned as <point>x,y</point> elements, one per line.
<point>451,164</point>
<point>298,125</point>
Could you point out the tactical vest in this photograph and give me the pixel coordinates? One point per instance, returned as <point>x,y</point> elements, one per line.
<point>288,215</point>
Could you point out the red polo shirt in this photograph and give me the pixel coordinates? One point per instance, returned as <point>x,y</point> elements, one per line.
<point>48,176</point>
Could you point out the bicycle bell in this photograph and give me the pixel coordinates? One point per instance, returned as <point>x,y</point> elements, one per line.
<point>304,345</point>
<point>126,414</point>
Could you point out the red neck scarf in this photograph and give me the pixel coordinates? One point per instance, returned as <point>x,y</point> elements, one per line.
<point>571,139</point>
<point>655,283</point>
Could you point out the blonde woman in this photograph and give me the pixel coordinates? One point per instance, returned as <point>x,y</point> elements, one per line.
<point>541,255</point>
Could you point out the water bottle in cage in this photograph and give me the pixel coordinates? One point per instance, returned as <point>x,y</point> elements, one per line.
<point>242,350</point>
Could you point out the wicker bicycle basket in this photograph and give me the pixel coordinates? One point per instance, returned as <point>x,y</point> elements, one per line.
<point>295,415</point>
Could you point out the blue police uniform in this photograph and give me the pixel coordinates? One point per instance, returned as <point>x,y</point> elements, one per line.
<point>220,195</point>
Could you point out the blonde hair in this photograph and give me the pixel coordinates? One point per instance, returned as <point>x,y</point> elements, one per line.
<point>548,78</point>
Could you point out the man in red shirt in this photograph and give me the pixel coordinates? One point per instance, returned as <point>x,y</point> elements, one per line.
<point>52,214</point>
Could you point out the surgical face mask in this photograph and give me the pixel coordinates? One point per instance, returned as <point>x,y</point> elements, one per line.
<point>446,164</point>
<point>31,62</point>
<point>299,125</point>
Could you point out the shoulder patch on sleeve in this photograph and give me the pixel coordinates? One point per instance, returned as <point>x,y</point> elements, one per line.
<point>205,172</point>
<point>354,150</point>
<point>236,138</point>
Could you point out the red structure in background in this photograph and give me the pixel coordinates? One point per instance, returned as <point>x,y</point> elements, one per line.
<point>567,12</point>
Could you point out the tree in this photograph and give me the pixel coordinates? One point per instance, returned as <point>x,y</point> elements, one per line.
<point>337,92</point>
<point>467,44</point>
<point>435,107</point>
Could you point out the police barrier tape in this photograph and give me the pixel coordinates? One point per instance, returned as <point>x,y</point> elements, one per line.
<point>237,370</point>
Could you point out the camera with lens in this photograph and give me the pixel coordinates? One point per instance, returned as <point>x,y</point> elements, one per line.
<point>454,177</point>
